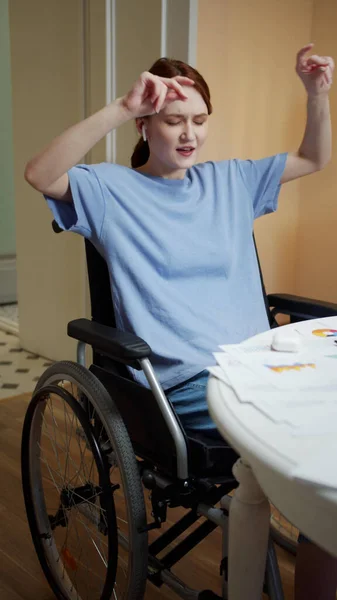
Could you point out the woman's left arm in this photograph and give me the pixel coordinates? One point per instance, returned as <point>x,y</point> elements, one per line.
<point>315,151</point>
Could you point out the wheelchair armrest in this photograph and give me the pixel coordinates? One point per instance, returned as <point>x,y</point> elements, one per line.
<point>118,345</point>
<point>56,228</point>
<point>299,306</point>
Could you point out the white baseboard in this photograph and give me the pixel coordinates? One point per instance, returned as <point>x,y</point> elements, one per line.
<point>8,325</point>
<point>7,279</point>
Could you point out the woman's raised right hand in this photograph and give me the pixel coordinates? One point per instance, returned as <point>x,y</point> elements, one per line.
<point>150,93</point>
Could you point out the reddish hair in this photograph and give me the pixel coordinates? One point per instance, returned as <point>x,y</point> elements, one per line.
<point>168,67</point>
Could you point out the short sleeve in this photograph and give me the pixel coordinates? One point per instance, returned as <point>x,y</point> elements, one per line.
<point>262,180</point>
<point>85,215</point>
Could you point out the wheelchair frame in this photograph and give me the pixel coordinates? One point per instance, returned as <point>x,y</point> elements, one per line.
<point>113,351</point>
<point>167,492</point>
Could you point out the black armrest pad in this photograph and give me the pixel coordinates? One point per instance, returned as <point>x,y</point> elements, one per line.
<point>56,228</point>
<point>120,345</point>
<point>299,305</point>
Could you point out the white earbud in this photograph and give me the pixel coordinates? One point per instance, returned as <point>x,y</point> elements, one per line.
<point>144,133</point>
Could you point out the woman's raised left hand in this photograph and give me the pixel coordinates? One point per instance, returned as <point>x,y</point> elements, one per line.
<point>315,71</point>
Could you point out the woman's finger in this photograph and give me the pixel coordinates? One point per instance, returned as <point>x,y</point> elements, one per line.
<point>157,88</point>
<point>161,98</point>
<point>303,51</point>
<point>184,80</point>
<point>154,87</point>
<point>172,94</point>
<point>171,83</point>
<point>330,61</point>
<point>328,75</point>
<point>317,60</point>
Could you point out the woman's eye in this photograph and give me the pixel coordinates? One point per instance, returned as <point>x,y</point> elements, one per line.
<point>178,122</point>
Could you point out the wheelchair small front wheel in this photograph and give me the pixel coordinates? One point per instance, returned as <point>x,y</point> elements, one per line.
<point>82,490</point>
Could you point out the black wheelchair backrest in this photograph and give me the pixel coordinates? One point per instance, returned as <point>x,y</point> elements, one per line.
<point>141,413</point>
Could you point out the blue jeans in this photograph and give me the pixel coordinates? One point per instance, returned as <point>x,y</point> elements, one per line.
<point>190,404</point>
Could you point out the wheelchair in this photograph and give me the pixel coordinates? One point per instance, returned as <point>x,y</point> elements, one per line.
<point>94,442</point>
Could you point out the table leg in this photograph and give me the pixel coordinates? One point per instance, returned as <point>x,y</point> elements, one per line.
<point>249,516</point>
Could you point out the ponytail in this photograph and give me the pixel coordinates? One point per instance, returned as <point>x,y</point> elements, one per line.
<point>140,154</point>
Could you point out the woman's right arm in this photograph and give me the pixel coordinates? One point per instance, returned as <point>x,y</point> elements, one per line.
<point>47,172</point>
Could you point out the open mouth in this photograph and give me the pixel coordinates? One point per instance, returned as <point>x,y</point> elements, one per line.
<point>186,150</point>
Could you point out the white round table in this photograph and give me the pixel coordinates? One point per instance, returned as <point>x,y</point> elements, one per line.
<point>268,454</point>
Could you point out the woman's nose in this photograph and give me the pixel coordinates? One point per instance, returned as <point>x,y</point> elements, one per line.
<point>188,132</point>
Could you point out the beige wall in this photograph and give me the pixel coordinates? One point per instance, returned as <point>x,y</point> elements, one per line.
<point>137,47</point>
<point>95,51</point>
<point>316,244</point>
<point>46,48</point>
<point>177,14</point>
<point>246,51</point>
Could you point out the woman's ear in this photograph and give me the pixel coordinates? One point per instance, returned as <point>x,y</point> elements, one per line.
<point>141,128</point>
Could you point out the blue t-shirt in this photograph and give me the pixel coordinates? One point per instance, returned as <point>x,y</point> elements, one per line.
<point>180,253</point>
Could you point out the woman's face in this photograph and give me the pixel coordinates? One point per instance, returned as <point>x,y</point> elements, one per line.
<point>177,133</point>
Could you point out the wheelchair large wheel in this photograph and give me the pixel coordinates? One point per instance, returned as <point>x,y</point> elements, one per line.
<point>82,490</point>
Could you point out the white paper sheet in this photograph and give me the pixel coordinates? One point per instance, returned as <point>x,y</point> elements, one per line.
<point>247,348</point>
<point>303,408</point>
<point>265,403</point>
<point>311,329</point>
<point>296,391</point>
<point>219,373</point>
<point>285,370</point>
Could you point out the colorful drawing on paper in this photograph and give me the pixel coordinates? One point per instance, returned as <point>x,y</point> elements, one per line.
<point>325,332</point>
<point>294,367</point>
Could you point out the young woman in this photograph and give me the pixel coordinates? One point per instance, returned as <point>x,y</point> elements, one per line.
<point>177,235</point>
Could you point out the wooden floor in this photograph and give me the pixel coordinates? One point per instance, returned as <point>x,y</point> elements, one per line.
<point>20,574</point>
